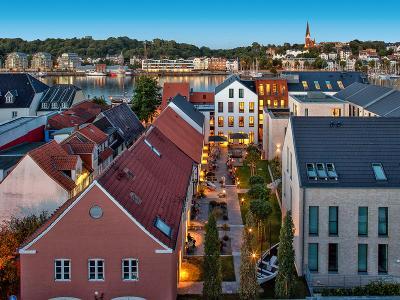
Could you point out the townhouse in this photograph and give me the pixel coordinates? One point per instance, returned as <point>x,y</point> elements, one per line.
<point>236,109</point>
<point>60,97</point>
<point>16,61</point>
<point>42,61</point>
<point>42,181</point>
<point>341,182</point>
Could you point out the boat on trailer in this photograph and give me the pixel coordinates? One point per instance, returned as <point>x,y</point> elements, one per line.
<point>267,265</point>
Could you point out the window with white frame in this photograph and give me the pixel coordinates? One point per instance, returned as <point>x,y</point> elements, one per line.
<point>14,114</point>
<point>96,269</point>
<point>62,269</point>
<point>130,269</point>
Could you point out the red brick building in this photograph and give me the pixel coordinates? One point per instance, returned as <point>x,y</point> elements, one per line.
<point>272,93</point>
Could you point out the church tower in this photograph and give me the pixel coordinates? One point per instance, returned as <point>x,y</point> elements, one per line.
<point>309,43</point>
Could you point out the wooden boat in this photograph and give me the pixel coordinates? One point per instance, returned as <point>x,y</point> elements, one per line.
<point>267,265</point>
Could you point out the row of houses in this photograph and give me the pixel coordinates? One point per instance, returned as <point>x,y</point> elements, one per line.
<point>191,64</point>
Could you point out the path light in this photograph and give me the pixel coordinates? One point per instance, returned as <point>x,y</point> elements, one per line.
<point>253,255</point>
<point>242,200</point>
<point>250,229</point>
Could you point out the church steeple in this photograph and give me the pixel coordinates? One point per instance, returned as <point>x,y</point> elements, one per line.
<point>308,30</point>
<point>308,42</point>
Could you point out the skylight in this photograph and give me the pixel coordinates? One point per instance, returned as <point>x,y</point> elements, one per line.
<point>330,168</point>
<point>379,172</point>
<point>305,84</point>
<point>340,84</point>
<point>321,171</point>
<point>328,84</point>
<point>163,227</point>
<point>154,149</point>
<point>311,173</point>
<point>317,86</point>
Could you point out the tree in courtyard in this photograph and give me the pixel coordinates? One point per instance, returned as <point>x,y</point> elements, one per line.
<point>12,234</point>
<point>248,275</point>
<point>285,280</point>
<point>212,287</point>
<point>256,179</point>
<point>252,157</point>
<point>147,98</point>
<point>261,209</point>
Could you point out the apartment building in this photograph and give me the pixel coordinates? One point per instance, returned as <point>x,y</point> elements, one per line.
<point>69,61</point>
<point>274,130</point>
<point>316,104</point>
<point>16,61</point>
<point>167,65</point>
<point>42,61</point>
<point>236,109</point>
<point>341,182</point>
<point>217,64</point>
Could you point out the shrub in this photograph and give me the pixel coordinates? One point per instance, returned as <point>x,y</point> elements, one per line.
<point>375,288</point>
<point>257,191</point>
<point>256,179</point>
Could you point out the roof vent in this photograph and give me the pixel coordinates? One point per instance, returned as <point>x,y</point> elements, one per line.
<point>154,149</point>
<point>135,198</point>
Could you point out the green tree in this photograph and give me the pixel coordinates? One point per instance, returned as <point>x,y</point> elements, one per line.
<point>256,179</point>
<point>257,191</point>
<point>248,275</point>
<point>147,98</point>
<point>252,157</point>
<point>212,287</point>
<point>99,100</point>
<point>285,280</point>
<point>261,209</point>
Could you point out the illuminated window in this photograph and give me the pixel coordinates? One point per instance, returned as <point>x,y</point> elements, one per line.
<point>230,121</point>
<point>220,121</point>
<point>241,121</point>
<point>211,120</point>
<point>220,133</point>
<point>275,103</point>
<point>328,85</point>
<point>336,112</point>
<point>251,107</point>
<point>261,89</point>
<point>282,103</point>
<point>260,119</point>
<point>268,88</point>
<point>340,84</point>
<point>317,86</point>
<point>251,121</point>
<point>305,85</point>
<point>241,107</point>
<point>230,107</point>
<point>269,102</point>
<point>251,137</point>
<point>260,104</point>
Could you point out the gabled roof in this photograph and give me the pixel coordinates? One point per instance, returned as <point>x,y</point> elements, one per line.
<point>202,97</point>
<point>93,133</point>
<point>181,133</point>
<point>295,80</point>
<point>352,145</point>
<point>171,89</point>
<point>188,108</point>
<point>23,86</point>
<point>247,83</point>
<point>59,93</point>
<point>75,145</point>
<point>150,186</point>
<point>81,113</point>
<point>379,100</point>
<point>124,120</point>
<point>13,155</point>
<point>49,158</point>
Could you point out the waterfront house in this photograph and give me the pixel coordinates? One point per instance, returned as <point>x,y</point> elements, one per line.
<point>132,227</point>
<point>42,61</point>
<point>341,181</point>
<point>16,61</point>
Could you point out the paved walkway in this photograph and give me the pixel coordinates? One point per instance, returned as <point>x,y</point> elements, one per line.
<point>235,233</point>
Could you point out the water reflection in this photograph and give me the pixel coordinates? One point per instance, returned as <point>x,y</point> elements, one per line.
<point>106,86</point>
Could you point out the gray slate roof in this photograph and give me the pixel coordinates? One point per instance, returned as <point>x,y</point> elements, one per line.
<point>250,84</point>
<point>379,100</point>
<point>59,93</point>
<point>189,109</point>
<point>347,78</point>
<point>11,156</point>
<point>23,86</point>
<point>352,147</point>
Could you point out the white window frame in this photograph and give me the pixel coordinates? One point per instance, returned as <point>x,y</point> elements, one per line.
<point>62,260</point>
<point>14,114</point>
<point>130,261</point>
<point>9,99</point>
<point>96,272</point>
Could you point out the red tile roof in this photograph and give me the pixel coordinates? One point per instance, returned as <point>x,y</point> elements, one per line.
<point>93,133</point>
<point>76,146</point>
<point>64,163</point>
<point>158,183</point>
<point>181,133</point>
<point>77,115</point>
<point>171,89</point>
<point>106,153</point>
<point>48,158</point>
<point>202,97</point>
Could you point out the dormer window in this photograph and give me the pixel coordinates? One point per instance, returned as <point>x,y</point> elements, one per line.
<point>54,105</point>
<point>64,105</point>
<point>45,105</point>
<point>10,96</point>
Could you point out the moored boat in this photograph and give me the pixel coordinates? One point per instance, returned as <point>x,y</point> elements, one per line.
<point>267,265</point>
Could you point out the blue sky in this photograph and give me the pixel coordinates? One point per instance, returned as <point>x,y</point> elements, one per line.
<point>212,23</point>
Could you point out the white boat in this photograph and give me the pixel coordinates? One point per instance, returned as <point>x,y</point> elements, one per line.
<point>394,76</point>
<point>267,265</point>
<point>383,76</point>
<point>117,99</point>
<point>41,74</point>
<point>95,73</point>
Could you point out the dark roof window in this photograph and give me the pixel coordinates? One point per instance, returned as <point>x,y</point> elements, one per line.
<point>321,171</point>
<point>311,173</point>
<point>330,168</point>
<point>317,86</point>
<point>163,227</point>
<point>379,172</point>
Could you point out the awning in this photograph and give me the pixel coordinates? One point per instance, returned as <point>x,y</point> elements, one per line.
<point>216,138</point>
<point>238,136</point>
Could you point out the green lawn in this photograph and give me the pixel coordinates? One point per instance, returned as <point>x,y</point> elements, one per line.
<point>192,267</point>
<point>243,173</point>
